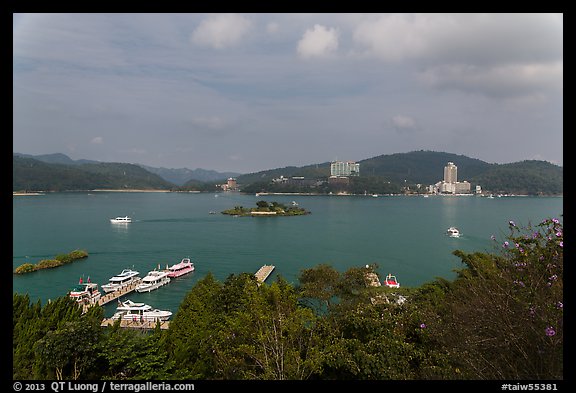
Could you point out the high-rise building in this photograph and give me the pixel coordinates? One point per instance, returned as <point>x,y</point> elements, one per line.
<point>451,173</point>
<point>344,168</point>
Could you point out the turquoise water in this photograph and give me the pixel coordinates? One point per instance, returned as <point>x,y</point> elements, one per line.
<point>404,235</point>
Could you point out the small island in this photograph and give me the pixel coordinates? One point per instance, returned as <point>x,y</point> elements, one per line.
<point>267,209</point>
<point>58,260</point>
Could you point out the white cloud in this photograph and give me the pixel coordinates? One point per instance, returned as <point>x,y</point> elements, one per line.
<point>208,122</point>
<point>272,27</point>
<point>97,140</point>
<point>221,31</point>
<point>403,123</point>
<point>507,80</point>
<point>319,41</point>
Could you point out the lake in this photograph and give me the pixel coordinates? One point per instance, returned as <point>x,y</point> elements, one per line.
<point>403,235</point>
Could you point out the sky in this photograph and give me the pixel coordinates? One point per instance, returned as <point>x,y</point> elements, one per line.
<point>250,92</point>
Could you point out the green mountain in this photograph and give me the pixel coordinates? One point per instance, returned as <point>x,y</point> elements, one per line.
<point>424,167</point>
<point>381,174</point>
<point>388,173</point>
<point>33,175</point>
<point>181,176</point>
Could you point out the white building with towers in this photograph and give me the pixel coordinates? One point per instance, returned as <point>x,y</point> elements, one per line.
<point>450,184</point>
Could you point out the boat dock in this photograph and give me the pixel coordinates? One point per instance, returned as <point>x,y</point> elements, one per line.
<point>263,273</point>
<point>114,295</point>
<point>136,324</point>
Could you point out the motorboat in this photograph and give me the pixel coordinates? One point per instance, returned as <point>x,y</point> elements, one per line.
<point>453,232</point>
<point>183,267</point>
<point>121,220</point>
<point>391,282</point>
<point>85,293</point>
<point>153,280</point>
<point>131,311</point>
<point>121,280</point>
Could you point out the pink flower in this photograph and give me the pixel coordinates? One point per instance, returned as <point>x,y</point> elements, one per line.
<point>550,331</point>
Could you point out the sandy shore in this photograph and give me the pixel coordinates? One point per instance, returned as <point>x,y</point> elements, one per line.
<point>26,193</point>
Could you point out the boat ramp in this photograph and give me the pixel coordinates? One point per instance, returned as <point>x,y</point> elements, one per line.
<point>263,273</point>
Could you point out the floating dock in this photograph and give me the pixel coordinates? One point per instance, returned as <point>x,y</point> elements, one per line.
<point>263,273</point>
<point>114,295</point>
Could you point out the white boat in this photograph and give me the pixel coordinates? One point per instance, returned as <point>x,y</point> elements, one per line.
<point>85,293</point>
<point>183,267</point>
<point>153,280</point>
<point>128,310</point>
<point>122,280</point>
<point>453,232</point>
<point>391,282</point>
<point>121,220</point>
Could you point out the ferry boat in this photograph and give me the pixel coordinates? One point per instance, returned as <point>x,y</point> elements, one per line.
<point>121,220</point>
<point>453,232</point>
<point>85,293</point>
<point>153,280</point>
<point>183,267</point>
<point>121,280</point>
<point>131,311</point>
<point>391,281</point>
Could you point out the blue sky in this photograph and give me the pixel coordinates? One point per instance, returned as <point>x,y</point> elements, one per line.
<point>248,92</point>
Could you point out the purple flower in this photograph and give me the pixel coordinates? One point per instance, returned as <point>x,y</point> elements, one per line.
<point>511,223</point>
<point>493,237</point>
<point>505,244</point>
<point>550,331</point>
<point>558,234</point>
<point>560,305</point>
<point>562,244</point>
<point>422,326</point>
<point>555,221</point>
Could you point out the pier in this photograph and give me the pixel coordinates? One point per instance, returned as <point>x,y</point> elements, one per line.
<point>136,324</point>
<point>263,273</point>
<point>114,295</point>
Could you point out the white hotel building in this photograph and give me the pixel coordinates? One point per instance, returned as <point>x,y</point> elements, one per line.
<point>450,184</point>
<point>344,168</point>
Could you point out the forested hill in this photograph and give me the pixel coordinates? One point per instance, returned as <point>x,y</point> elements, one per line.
<point>427,167</point>
<point>380,174</point>
<point>32,175</point>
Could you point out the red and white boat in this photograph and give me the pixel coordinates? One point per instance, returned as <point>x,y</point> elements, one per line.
<point>85,293</point>
<point>391,281</point>
<point>185,266</point>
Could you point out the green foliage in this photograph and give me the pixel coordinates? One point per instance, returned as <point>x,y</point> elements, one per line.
<point>504,314</point>
<point>33,175</point>
<point>25,268</point>
<point>274,208</point>
<point>501,318</point>
<point>58,260</point>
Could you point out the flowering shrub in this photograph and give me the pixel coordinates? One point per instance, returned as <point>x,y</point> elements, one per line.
<point>504,313</point>
<point>535,265</point>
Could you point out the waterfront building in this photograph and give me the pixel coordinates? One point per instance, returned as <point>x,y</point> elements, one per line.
<point>231,185</point>
<point>450,184</point>
<point>344,168</point>
<point>450,173</point>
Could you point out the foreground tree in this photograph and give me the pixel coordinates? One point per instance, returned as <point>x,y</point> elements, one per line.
<point>504,313</point>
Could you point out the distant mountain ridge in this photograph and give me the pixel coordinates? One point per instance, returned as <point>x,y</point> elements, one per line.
<point>178,176</point>
<point>181,176</point>
<point>387,173</point>
<point>30,174</point>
